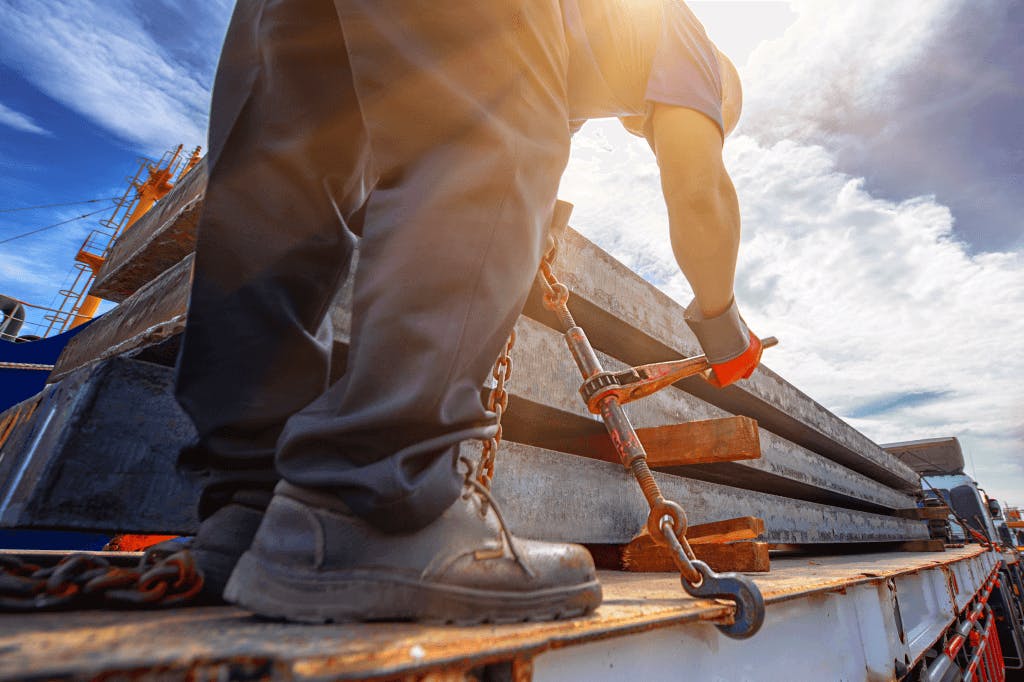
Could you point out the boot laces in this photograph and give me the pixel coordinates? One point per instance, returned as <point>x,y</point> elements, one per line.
<point>487,500</point>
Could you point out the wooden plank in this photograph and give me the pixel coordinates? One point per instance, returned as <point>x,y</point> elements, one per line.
<point>1015,524</point>
<point>936,545</point>
<point>728,530</point>
<point>925,513</point>
<point>706,441</point>
<point>717,543</point>
<point>648,557</point>
<point>160,238</point>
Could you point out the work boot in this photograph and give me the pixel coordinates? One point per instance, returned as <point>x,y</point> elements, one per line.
<point>314,561</point>
<point>224,536</point>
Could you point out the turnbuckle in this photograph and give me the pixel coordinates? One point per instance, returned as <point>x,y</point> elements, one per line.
<point>639,382</point>
<point>604,393</point>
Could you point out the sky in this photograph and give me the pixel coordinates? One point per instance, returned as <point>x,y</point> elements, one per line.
<point>878,164</point>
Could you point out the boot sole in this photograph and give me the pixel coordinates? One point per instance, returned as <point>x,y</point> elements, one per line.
<point>293,594</point>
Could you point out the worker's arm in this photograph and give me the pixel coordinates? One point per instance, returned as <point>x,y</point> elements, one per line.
<point>703,213</point>
<point>704,221</point>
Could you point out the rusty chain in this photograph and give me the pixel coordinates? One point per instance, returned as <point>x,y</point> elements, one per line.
<point>497,402</point>
<point>166,575</point>
<point>667,521</point>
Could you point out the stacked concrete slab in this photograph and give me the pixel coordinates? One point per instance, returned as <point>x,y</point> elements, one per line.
<point>78,461</point>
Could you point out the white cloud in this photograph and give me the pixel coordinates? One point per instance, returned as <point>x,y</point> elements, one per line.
<point>837,65</point>
<point>97,58</point>
<point>19,121</point>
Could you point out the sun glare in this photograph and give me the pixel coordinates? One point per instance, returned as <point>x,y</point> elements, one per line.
<point>739,26</point>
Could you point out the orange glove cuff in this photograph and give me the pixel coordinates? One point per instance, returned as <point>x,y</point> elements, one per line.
<point>740,367</point>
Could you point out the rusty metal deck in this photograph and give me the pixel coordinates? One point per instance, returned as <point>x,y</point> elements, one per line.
<point>224,642</point>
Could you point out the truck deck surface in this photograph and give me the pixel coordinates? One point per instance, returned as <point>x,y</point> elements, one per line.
<point>224,642</point>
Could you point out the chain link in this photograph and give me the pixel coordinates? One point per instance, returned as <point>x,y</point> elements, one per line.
<point>165,575</point>
<point>497,402</point>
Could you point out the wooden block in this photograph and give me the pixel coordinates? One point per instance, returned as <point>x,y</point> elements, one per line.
<point>1015,524</point>
<point>924,513</point>
<point>729,530</point>
<point>647,557</point>
<point>707,441</point>
<point>744,557</point>
<point>937,545</point>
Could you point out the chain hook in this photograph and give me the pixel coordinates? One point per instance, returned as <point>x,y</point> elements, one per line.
<point>738,589</point>
<point>735,587</point>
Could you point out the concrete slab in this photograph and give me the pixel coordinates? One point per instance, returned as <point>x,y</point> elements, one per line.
<point>154,312</point>
<point>159,239</point>
<point>571,498</point>
<point>623,315</point>
<point>628,318</point>
<point>546,406</point>
<point>99,452</point>
<point>930,456</point>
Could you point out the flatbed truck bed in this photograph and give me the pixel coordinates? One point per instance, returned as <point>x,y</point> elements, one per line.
<point>847,617</point>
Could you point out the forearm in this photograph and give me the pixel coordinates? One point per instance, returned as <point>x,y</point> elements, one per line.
<point>705,233</point>
<point>703,211</point>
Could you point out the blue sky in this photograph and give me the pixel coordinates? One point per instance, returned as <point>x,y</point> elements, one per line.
<point>878,161</point>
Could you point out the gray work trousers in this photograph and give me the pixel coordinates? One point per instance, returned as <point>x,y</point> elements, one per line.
<point>436,129</point>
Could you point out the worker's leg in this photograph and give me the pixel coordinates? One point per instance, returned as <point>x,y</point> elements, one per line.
<point>466,115</point>
<point>286,163</point>
<point>465,107</point>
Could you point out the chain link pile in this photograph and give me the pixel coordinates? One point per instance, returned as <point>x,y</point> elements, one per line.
<point>165,576</point>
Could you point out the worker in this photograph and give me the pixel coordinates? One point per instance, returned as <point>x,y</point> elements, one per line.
<point>437,132</point>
